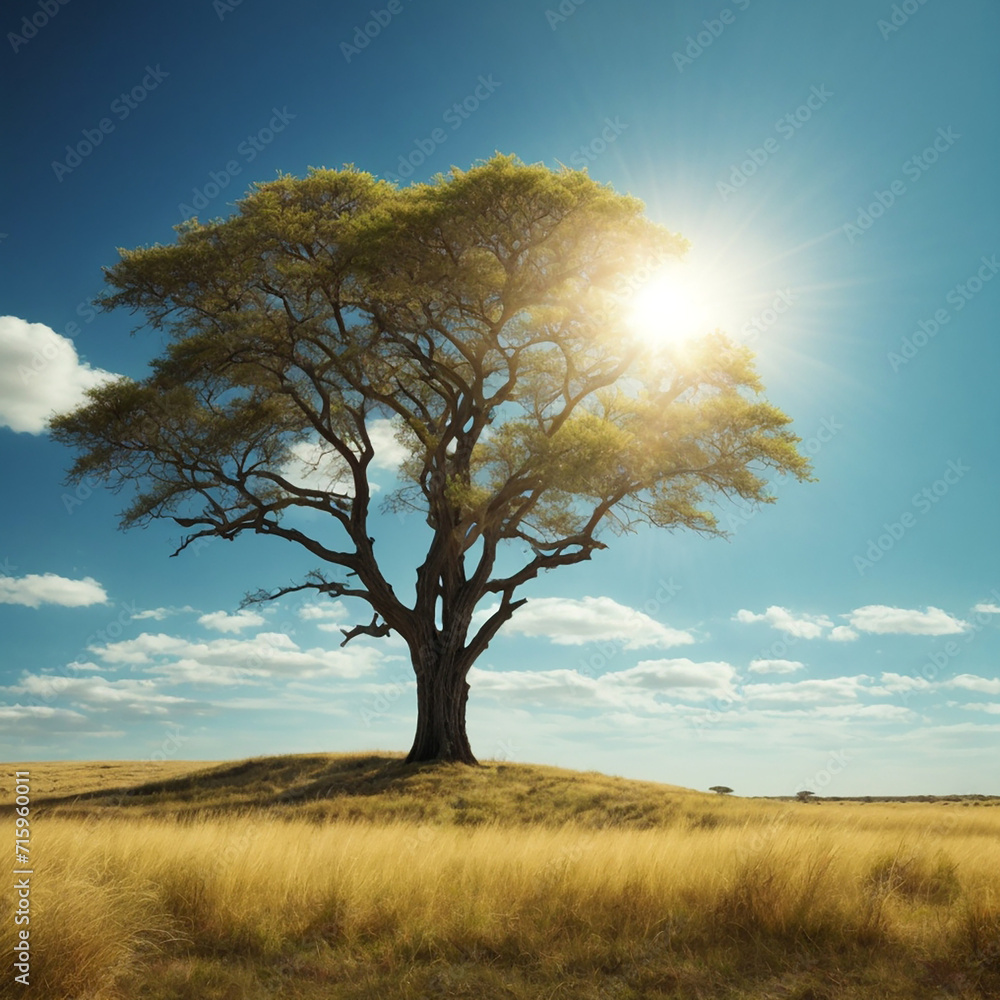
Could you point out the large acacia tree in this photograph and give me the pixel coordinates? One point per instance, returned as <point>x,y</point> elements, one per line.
<point>484,314</point>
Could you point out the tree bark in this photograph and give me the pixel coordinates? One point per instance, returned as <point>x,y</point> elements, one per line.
<point>442,695</point>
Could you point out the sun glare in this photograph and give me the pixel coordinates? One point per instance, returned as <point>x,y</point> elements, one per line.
<point>672,306</point>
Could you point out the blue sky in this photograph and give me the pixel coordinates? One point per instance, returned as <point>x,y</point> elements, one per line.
<point>833,166</point>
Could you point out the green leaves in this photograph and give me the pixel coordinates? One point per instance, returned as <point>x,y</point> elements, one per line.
<point>484,313</point>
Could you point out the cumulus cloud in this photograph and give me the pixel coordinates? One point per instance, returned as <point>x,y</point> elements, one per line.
<point>800,626</point>
<point>316,464</point>
<point>389,453</point>
<point>970,682</point>
<point>992,707</point>
<point>881,619</point>
<point>775,666</point>
<point>226,661</point>
<point>843,633</point>
<point>569,622</point>
<point>48,588</point>
<point>636,688</point>
<point>900,683</point>
<point>40,374</point>
<point>666,675</point>
<point>987,609</point>
<point>223,622</point>
<point>328,610</point>
<point>875,713</point>
<point>829,691</point>
<point>139,697</point>
<point>159,614</point>
<point>18,713</point>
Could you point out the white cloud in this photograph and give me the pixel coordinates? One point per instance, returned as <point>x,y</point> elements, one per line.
<point>842,634</point>
<point>160,614</point>
<point>223,622</point>
<point>333,610</point>
<point>665,675</point>
<point>801,626</point>
<point>898,683</point>
<point>225,661</point>
<point>877,713</point>
<point>40,374</point>
<point>569,622</point>
<point>830,691</point>
<point>95,692</point>
<point>992,707</point>
<point>881,619</point>
<point>970,682</point>
<point>17,713</point>
<point>389,453</point>
<point>316,464</point>
<point>987,609</point>
<point>635,689</point>
<point>775,666</point>
<point>48,588</point>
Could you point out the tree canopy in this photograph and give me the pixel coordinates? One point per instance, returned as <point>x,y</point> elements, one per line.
<point>484,315</point>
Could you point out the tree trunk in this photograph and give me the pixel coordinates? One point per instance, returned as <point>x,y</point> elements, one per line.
<point>441,698</point>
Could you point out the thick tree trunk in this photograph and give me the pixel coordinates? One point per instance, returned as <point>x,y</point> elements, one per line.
<point>441,698</point>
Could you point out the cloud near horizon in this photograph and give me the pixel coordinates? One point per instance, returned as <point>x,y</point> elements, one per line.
<point>872,618</point>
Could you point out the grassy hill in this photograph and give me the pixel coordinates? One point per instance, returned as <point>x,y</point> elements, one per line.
<point>365,787</point>
<point>355,876</point>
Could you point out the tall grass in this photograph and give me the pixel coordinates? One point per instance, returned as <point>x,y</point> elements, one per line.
<point>762,892</point>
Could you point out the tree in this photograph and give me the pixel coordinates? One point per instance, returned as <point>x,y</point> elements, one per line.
<point>483,313</point>
<point>804,796</point>
<point>721,789</point>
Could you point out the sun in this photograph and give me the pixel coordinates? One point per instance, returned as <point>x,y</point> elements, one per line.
<point>673,305</point>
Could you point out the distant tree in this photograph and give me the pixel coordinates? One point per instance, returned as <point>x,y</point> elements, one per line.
<point>804,796</point>
<point>720,789</point>
<point>485,315</point>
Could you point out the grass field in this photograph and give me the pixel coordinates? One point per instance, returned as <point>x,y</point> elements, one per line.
<point>336,876</point>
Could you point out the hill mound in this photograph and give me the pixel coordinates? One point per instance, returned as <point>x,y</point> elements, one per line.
<point>375,787</point>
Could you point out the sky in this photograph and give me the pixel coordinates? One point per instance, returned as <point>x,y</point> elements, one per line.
<point>832,164</point>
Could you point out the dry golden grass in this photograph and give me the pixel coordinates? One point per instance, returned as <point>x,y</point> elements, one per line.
<point>58,778</point>
<point>718,897</point>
